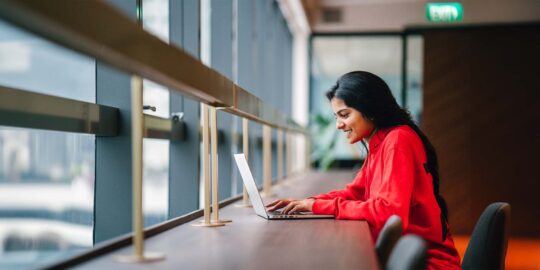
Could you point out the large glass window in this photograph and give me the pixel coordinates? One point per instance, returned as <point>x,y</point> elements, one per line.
<point>46,177</point>
<point>155,18</point>
<point>334,56</point>
<point>156,180</point>
<point>31,63</point>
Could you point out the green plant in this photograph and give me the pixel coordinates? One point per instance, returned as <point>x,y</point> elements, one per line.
<point>324,134</point>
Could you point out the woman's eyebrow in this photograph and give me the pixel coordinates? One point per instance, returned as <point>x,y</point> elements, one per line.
<point>339,111</point>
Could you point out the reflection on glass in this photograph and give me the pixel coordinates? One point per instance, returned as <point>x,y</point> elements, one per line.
<point>156,96</point>
<point>155,19</point>
<point>155,181</point>
<point>31,63</point>
<point>46,195</point>
<point>335,56</point>
<point>46,178</point>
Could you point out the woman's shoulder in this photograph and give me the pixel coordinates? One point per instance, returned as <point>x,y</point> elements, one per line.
<point>401,136</point>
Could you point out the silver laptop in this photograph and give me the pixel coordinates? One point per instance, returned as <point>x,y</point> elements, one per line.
<point>255,197</point>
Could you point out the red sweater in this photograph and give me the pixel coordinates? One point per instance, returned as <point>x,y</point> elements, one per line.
<point>393,181</point>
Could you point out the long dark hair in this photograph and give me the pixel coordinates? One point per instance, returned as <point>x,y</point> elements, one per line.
<point>370,95</point>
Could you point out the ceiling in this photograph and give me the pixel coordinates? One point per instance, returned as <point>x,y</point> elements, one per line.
<point>331,16</point>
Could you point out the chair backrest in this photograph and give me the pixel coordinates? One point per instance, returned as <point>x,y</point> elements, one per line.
<point>388,238</point>
<point>487,247</point>
<point>409,254</point>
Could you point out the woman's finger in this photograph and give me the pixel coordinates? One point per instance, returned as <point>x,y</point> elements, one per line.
<point>278,205</point>
<point>273,203</point>
<point>296,209</point>
<point>278,201</point>
<point>289,207</point>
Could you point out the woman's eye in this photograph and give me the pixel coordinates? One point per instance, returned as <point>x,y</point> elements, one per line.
<point>344,116</point>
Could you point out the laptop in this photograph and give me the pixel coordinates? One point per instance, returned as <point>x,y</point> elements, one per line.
<point>255,197</point>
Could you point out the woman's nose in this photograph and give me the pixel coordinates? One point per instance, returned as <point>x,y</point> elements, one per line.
<point>339,124</point>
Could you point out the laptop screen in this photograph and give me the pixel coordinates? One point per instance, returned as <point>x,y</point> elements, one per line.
<point>251,187</point>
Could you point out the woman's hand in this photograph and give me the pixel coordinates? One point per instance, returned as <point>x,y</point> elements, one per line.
<point>278,204</point>
<point>291,206</point>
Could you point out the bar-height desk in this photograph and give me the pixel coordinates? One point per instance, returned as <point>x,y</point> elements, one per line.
<point>251,242</point>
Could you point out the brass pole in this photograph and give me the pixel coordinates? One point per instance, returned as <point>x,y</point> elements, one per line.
<point>289,154</point>
<point>308,153</point>
<point>205,167</point>
<point>137,124</point>
<point>280,154</point>
<point>245,147</point>
<point>215,168</point>
<point>267,161</point>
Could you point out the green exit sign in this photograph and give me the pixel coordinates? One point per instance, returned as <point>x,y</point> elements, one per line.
<point>444,12</point>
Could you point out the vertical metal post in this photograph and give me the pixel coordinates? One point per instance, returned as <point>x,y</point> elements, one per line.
<point>267,161</point>
<point>137,123</point>
<point>215,168</point>
<point>289,154</point>
<point>294,154</point>
<point>205,167</point>
<point>280,155</point>
<point>245,148</point>
<point>308,153</point>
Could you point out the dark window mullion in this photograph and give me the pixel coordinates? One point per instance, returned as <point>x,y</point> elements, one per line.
<point>184,155</point>
<point>112,192</point>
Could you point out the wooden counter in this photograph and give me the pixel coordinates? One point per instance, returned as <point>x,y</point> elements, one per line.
<point>251,242</point>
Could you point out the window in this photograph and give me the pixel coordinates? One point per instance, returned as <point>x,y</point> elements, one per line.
<point>46,177</point>
<point>155,17</point>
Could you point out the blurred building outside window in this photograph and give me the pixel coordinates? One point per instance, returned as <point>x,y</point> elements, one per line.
<point>46,177</point>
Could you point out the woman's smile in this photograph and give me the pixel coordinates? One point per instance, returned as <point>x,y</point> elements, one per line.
<point>355,126</point>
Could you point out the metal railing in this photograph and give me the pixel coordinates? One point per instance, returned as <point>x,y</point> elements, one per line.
<point>126,46</point>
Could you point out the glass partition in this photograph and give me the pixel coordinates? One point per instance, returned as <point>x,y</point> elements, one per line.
<point>46,177</point>
<point>155,19</point>
<point>52,204</point>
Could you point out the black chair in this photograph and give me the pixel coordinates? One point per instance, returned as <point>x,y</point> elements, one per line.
<point>388,238</point>
<point>489,240</point>
<point>409,254</point>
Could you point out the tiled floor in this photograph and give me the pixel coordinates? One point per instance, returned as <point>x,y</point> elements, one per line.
<point>522,254</point>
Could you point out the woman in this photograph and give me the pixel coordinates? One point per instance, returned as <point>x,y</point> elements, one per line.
<point>399,177</point>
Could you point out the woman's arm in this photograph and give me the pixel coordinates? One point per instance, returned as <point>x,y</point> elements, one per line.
<point>352,191</point>
<point>390,193</point>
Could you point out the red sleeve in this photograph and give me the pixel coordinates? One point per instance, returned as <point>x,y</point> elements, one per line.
<point>390,193</point>
<point>352,191</point>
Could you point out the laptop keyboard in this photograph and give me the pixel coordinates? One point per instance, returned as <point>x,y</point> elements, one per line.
<point>279,213</point>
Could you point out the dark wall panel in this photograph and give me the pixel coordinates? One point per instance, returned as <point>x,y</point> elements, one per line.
<point>481,109</point>
<point>112,199</point>
<point>221,60</point>
<point>184,156</point>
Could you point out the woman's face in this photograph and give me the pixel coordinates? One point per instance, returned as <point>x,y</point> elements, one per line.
<point>351,121</point>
